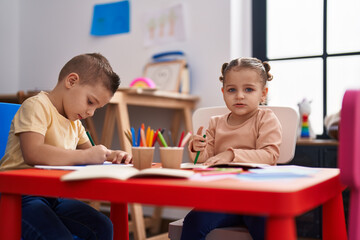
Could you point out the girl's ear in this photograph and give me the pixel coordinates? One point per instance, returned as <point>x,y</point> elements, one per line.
<point>222,90</point>
<point>71,80</point>
<point>264,94</point>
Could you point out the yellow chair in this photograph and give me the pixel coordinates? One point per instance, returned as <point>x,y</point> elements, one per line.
<point>289,120</point>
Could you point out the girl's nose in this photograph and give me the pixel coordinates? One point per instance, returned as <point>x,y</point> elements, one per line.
<point>240,95</point>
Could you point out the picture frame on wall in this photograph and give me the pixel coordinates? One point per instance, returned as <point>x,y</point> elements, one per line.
<point>166,75</point>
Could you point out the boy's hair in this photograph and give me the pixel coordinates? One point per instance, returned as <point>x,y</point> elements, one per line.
<point>262,68</point>
<point>92,68</point>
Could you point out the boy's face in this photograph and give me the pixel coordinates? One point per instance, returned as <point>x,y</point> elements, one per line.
<point>81,100</point>
<point>243,91</point>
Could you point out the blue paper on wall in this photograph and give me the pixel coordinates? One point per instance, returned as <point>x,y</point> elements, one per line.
<point>111,18</point>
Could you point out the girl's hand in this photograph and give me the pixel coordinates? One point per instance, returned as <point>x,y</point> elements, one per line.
<point>199,142</point>
<point>118,157</point>
<point>97,154</point>
<point>224,157</point>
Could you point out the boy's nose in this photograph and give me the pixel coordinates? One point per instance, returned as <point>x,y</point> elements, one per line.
<point>90,112</point>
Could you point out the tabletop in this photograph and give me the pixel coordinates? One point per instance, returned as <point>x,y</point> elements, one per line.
<point>238,195</point>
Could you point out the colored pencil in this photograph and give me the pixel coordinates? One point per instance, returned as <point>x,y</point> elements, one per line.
<point>185,139</point>
<point>128,137</point>
<point>133,137</point>
<point>162,140</point>
<point>148,136</point>
<point>138,139</point>
<point>198,153</point>
<point>90,138</point>
<point>155,138</point>
<point>181,138</point>
<point>170,138</point>
<point>143,138</point>
<point>151,138</point>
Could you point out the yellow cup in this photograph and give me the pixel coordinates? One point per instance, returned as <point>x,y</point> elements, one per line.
<point>171,157</point>
<point>142,157</point>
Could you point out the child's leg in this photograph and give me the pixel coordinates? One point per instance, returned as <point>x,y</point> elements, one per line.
<point>39,221</point>
<point>198,224</point>
<point>83,220</point>
<point>256,226</point>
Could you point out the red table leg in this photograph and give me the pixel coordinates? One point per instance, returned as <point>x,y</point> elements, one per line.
<point>280,228</point>
<point>10,216</point>
<point>119,218</point>
<point>334,226</point>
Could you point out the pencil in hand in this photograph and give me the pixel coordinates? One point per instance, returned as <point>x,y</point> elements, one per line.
<point>90,138</point>
<point>198,153</point>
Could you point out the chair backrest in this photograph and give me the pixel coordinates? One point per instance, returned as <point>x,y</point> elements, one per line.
<point>8,111</point>
<point>287,116</point>
<point>349,156</point>
<point>349,137</point>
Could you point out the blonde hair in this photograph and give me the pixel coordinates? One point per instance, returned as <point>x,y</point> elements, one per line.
<point>262,68</point>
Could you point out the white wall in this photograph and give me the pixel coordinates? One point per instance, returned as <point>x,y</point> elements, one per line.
<point>38,37</point>
<point>9,46</point>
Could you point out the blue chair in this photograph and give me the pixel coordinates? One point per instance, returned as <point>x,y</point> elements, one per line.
<point>8,111</point>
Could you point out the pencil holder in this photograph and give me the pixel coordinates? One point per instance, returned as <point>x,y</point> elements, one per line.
<point>142,157</point>
<point>171,157</point>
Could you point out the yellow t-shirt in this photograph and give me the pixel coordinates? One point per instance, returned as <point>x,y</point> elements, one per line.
<point>38,114</point>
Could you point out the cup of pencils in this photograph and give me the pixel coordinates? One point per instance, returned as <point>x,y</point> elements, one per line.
<point>142,157</point>
<point>142,147</point>
<point>171,157</point>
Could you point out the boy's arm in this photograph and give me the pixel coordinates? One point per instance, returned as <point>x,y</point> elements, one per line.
<point>35,151</point>
<point>85,145</point>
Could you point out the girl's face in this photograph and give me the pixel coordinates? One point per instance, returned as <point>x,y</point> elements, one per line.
<point>243,91</point>
<point>82,100</point>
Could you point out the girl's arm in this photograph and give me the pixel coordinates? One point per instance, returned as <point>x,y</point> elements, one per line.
<point>35,151</point>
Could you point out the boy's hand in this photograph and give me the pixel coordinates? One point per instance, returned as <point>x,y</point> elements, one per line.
<point>224,157</point>
<point>199,142</point>
<point>119,157</point>
<point>97,154</point>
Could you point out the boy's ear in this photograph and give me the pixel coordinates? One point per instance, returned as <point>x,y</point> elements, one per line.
<point>71,80</point>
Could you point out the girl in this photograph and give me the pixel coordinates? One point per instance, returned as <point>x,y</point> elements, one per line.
<point>246,134</point>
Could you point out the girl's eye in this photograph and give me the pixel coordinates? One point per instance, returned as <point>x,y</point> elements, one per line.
<point>249,89</point>
<point>231,90</point>
<point>90,102</point>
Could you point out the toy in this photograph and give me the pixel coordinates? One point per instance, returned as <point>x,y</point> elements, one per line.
<point>142,83</point>
<point>305,130</point>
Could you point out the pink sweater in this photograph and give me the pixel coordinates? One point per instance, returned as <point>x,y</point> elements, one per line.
<point>257,140</point>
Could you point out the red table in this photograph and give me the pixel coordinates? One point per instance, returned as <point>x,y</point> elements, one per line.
<point>281,200</point>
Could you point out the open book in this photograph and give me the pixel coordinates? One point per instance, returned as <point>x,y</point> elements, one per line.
<point>123,173</point>
<point>244,166</point>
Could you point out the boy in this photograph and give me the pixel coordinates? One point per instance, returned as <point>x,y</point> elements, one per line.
<point>47,131</point>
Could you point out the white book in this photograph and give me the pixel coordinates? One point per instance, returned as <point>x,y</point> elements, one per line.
<point>123,173</point>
